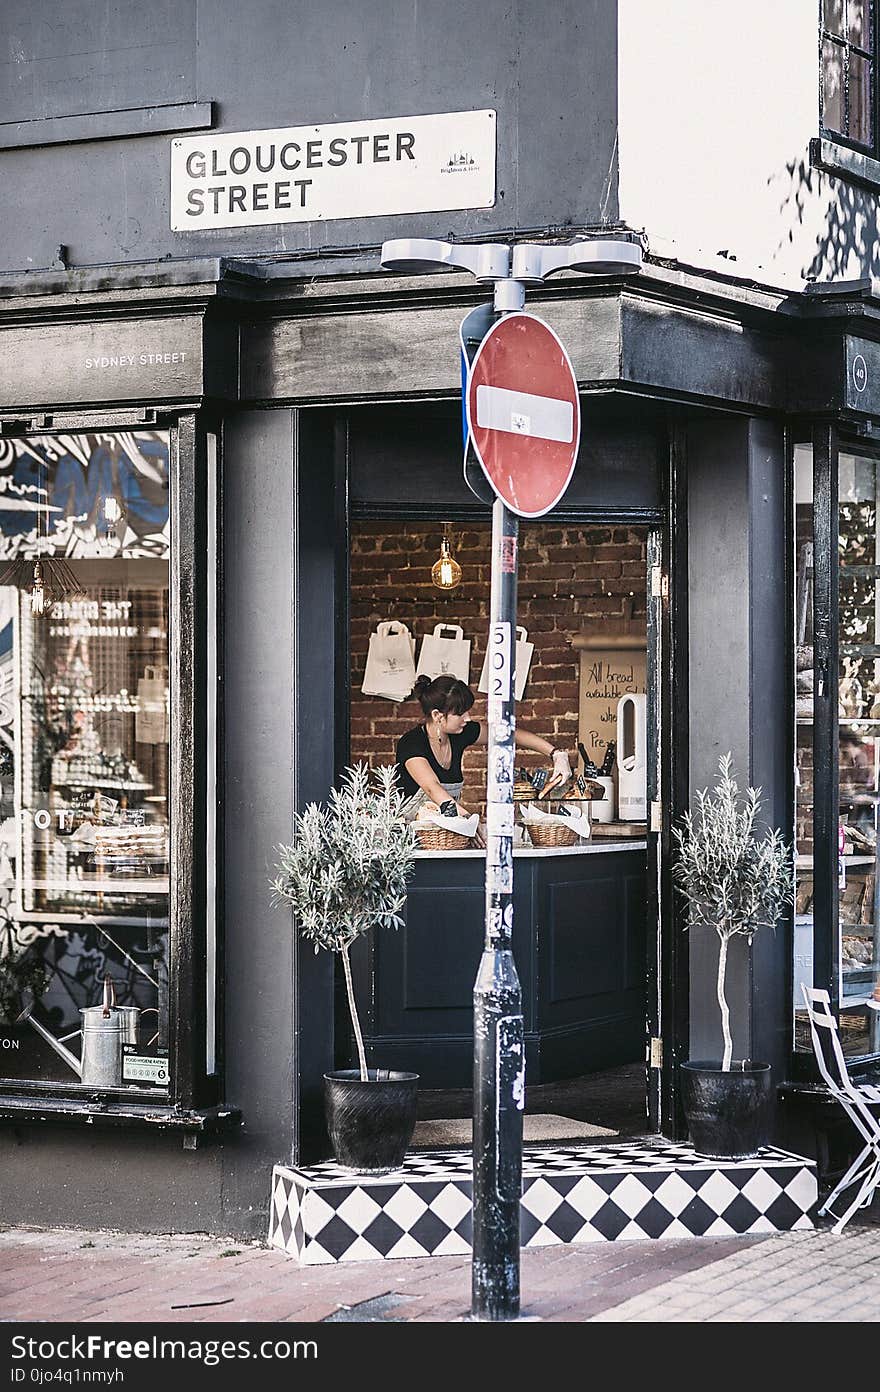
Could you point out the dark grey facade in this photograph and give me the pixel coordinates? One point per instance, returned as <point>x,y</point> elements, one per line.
<point>267,64</point>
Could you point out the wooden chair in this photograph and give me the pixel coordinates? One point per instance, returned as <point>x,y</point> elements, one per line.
<point>856,1099</point>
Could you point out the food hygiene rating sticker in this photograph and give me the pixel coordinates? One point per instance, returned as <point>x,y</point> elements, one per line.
<point>144,1068</point>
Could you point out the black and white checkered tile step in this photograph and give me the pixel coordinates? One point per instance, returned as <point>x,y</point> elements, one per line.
<point>594,1193</point>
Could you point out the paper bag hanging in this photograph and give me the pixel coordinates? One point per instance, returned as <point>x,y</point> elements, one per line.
<point>151,719</point>
<point>524,650</point>
<point>390,671</point>
<point>445,653</point>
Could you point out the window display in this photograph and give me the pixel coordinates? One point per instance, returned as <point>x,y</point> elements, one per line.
<point>84,759</point>
<point>858,743</point>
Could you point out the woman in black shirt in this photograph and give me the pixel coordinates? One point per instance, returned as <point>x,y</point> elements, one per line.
<point>429,755</point>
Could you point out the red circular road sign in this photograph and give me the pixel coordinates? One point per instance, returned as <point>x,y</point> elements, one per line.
<point>523,413</point>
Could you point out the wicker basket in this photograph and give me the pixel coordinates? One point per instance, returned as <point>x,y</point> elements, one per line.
<point>580,806</point>
<point>546,834</point>
<point>434,838</point>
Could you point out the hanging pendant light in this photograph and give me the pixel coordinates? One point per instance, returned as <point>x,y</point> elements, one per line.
<point>38,590</point>
<point>446,572</point>
<point>44,581</point>
<point>112,514</point>
<point>44,578</point>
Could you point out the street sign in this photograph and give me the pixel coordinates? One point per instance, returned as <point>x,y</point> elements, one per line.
<point>523,413</point>
<point>473,329</point>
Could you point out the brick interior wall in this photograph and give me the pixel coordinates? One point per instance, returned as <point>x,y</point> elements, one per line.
<point>804,818</point>
<point>570,579</point>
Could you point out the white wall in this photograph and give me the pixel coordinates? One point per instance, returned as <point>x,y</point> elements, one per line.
<point>717,105</point>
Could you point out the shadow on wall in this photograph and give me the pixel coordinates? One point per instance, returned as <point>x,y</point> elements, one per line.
<point>846,240</point>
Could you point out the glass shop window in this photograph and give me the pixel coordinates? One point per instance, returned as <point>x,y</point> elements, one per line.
<point>847,71</point>
<point>84,760</point>
<point>804,685</point>
<point>859,748</point>
<point>857,794</point>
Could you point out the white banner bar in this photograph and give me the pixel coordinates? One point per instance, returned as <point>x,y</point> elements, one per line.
<point>520,413</point>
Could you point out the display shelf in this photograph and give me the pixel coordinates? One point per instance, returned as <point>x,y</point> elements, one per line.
<point>121,785</point>
<point>122,885</point>
<point>857,720</point>
<point>806,862</point>
<point>94,919</point>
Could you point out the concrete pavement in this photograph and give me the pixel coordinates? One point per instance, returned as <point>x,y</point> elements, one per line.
<point>73,1276</point>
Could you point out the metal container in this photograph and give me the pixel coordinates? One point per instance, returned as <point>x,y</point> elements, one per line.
<point>130,1016</point>
<point>105,1029</point>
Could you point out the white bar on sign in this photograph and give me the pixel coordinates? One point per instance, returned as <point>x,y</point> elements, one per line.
<point>521,413</point>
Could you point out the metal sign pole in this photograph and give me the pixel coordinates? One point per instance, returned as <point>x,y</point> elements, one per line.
<point>499,1061</point>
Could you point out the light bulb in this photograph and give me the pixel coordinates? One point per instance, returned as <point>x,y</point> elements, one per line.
<point>112,510</point>
<point>445,572</point>
<point>38,592</point>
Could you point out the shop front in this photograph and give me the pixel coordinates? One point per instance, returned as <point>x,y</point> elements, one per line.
<point>580,918</point>
<point>111,994</point>
<point>217,484</point>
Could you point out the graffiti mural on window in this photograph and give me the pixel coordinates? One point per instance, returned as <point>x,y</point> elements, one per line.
<point>84,753</point>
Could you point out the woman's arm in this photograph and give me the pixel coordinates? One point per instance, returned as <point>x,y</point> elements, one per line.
<point>420,770</point>
<point>524,739</point>
<point>424,775</point>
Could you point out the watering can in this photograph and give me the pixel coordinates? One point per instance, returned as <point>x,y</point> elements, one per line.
<point>105,1028</point>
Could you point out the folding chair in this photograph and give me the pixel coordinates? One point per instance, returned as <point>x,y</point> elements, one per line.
<point>855,1099</point>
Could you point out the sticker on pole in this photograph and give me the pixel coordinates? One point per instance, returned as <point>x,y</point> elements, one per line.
<point>523,413</point>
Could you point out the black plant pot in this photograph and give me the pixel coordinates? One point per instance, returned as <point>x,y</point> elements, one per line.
<point>370,1124</point>
<point>729,1115</point>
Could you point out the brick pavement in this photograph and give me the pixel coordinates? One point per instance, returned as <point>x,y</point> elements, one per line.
<point>802,1278</point>
<point>73,1276</point>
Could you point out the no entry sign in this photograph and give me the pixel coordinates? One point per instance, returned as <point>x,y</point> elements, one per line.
<point>523,413</point>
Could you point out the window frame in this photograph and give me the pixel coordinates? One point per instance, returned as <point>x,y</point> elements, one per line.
<point>192,1086</point>
<point>826,441</point>
<point>871,148</point>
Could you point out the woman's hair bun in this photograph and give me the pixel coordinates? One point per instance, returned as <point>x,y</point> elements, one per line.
<point>445,693</point>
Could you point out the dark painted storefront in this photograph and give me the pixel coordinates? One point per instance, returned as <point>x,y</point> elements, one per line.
<point>226,408</point>
<point>281,427</point>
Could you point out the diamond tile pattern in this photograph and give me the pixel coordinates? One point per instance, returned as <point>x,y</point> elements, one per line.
<point>576,1193</point>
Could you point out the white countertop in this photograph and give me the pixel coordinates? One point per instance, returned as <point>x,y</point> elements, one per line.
<point>601,846</point>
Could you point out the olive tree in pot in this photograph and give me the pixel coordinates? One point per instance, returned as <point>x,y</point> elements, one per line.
<point>736,876</point>
<point>345,873</point>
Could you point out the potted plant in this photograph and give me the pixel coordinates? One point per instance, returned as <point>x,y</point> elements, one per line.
<point>345,873</point>
<point>736,877</point>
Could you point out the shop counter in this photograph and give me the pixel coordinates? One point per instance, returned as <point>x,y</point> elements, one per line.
<point>579,946</point>
<point>597,847</point>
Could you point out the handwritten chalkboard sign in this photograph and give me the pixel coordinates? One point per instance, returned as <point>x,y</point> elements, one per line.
<point>611,666</point>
